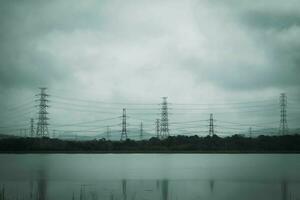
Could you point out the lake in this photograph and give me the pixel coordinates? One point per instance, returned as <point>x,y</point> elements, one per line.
<point>150,176</point>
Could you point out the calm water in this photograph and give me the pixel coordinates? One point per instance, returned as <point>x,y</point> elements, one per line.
<point>150,176</point>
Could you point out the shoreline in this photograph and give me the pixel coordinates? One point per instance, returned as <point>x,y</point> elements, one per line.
<point>149,152</point>
<point>236,144</point>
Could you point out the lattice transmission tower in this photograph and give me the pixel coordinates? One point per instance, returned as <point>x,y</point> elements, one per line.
<point>283,127</point>
<point>124,126</point>
<point>54,135</point>
<point>108,133</point>
<point>250,132</point>
<point>164,121</point>
<point>32,130</point>
<point>141,131</point>
<point>211,131</point>
<point>157,128</point>
<point>42,124</point>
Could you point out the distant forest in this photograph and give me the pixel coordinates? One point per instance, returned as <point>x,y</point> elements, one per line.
<point>188,144</point>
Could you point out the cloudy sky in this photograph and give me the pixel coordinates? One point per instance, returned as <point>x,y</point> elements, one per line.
<point>95,57</point>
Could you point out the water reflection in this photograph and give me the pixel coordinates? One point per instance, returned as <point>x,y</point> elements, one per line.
<point>284,190</point>
<point>212,185</point>
<point>31,189</point>
<point>286,194</point>
<point>165,189</point>
<point>124,189</point>
<point>41,185</point>
<point>45,183</point>
<point>137,189</point>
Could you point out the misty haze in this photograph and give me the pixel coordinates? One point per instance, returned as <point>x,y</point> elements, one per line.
<point>157,100</point>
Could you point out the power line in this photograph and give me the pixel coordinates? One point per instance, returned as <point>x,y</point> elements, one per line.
<point>142,104</point>
<point>26,103</point>
<point>103,102</point>
<point>233,128</point>
<point>250,124</point>
<point>94,129</point>
<point>229,106</point>
<point>108,106</point>
<point>227,103</point>
<point>188,122</point>
<point>86,122</point>
<point>71,104</point>
<point>58,107</point>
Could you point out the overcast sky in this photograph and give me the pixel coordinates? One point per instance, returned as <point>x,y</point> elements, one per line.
<point>137,51</point>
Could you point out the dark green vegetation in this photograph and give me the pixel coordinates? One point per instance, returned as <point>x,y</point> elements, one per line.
<point>234,144</point>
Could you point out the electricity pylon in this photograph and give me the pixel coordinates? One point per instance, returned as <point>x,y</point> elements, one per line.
<point>211,126</point>
<point>54,133</point>
<point>164,121</point>
<point>250,132</point>
<point>32,132</point>
<point>108,133</point>
<point>124,126</point>
<point>141,131</point>
<point>283,127</point>
<point>157,128</point>
<point>42,125</point>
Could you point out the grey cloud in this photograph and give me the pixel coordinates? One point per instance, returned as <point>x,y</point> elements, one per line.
<point>274,29</point>
<point>142,50</point>
<point>26,22</point>
<point>270,20</point>
<point>23,24</point>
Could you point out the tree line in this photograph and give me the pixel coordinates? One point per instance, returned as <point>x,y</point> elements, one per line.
<point>234,144</point>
